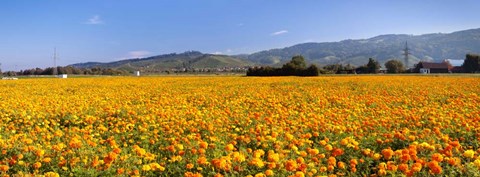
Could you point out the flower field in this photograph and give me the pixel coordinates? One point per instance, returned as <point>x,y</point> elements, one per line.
<point>241,126</point>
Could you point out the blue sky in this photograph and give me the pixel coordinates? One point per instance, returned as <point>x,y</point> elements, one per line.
<point>109,30</point>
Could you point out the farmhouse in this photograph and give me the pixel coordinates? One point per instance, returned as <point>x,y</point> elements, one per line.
<point>428,67</point>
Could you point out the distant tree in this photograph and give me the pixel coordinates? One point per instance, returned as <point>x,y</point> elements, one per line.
<point>362,70</point>
<point>299,62</point>
<point>471,63</point>
<point>47,71</point>
<point>39,71</point>
<point>394,66</point>
<point>10,73</point>
<point>373,66</point>
<point>312,70</point>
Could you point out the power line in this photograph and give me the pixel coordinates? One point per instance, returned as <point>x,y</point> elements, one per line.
<point>406,53</point>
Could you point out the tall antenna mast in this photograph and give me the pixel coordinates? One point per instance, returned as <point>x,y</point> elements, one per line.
<point>54,61</point>
<point>406,52</point>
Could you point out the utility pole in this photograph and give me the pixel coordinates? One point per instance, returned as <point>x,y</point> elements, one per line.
<point>54,61</point>
<point>406,53</point>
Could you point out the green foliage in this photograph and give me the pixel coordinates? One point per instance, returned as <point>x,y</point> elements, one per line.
<point>296,67</point>
<point>373,66</point>
<point>71,70</point>
<point>394,66</point>
<point>339,69</point>
<point>471,63</point>
<point>298,62</point>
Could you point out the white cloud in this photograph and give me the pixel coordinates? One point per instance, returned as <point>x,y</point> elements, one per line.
<point>240,24</point>
<point>278,33</point>
<point>95,20</point>
<point>226,52</point>
<point>308,40</point>
<point>138,54</point>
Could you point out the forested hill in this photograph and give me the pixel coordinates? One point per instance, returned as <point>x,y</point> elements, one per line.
<point>429,47</point>
<point>190,59</point>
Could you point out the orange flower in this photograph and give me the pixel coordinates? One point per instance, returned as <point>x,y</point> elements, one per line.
<point>120,171</point>
<point>434,167</point>
<point>291,165</point>
<point>437,157</point>
<point>37,165</point>
<point>203,145</point>
<point>416,167</point>
<point>269,173</point>
<point>337,152</point>
<point>4,168</point>
<point>387,154</point>
<point>229,147</point>
<point>202,160</point>
<point>341,165</point>
<point>75,143</point>
<point>332,161</point>
<point>403,167</point>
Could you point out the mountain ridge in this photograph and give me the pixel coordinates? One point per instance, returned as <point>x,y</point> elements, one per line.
<point>185,60</point>
<point>425,47</point>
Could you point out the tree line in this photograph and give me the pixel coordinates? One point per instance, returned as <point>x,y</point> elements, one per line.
<point>296,67</point>
<point>67,70</point>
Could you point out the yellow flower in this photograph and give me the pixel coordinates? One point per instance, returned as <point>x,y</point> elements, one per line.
<point>229,147</point>
<point>477,163</point>
<point>469,154</point>
<point>51,174</point>
<point>146,168</point>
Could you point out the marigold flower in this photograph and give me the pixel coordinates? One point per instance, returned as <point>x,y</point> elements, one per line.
<point>273,157</point>
<point>146,168</point>
<point>437,157</point>
<point>4,168</point>
<point>51,174</point>
<point>269,173</point>
<point>469,154</point>
<point>290,165</point>
<point>37,165</point>
<point>387,154</point>
<point>203,144</point>
<point>434,167</point>
<point>229,147</point>
<point>417,167</point>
